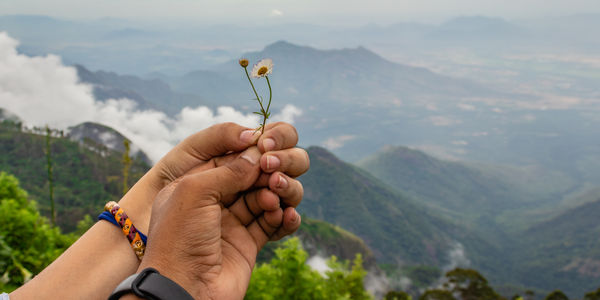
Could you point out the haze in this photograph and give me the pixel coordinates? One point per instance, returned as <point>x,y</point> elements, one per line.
<point>265,11</point>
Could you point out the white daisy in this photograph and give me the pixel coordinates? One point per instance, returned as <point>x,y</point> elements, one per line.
<point>262,68</point>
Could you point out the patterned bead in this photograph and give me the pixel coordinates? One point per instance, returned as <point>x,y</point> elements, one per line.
<point>129,230</point>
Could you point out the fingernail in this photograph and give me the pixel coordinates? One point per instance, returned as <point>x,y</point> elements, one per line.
<point>273,162</point>
<point>249,136</point>
<point>252,155</point>
<point>268,144</point>
<point>296,217</point>
<point>282,183</point>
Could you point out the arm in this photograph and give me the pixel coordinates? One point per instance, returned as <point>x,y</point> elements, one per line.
<point>102,257</point>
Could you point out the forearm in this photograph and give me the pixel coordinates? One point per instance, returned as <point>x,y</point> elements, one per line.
<point>90,269</point>
<point>98,261</point>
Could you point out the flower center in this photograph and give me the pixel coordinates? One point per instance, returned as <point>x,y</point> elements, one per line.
<point>262,71</point>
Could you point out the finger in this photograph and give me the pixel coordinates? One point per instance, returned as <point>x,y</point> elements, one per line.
<point>261,231</point>
<point>222,182</point>
<point>214,141</point>
<point>291,223</point>
<point>277,136</point>
<point>274,218</point>
<point>237,236</point>
<point>251,205</point>
<point>289,190</point>
<point>293,162</point>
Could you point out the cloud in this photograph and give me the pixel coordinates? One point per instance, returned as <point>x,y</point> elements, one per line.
<point>276,13</point>
<point>467,107</point>
<point>338,141</point>
<point>319,264</point>
<point>443,121</point>
<point>41,90</point>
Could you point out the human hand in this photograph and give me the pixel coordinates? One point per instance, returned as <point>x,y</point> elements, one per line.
<point>203,235</point>
<point>214,147</point>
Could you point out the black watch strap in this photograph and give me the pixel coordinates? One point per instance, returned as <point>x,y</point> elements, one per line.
<point>149,284</point>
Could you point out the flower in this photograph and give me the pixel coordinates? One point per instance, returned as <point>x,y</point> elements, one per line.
<point>262,68</point>
<point>243,62</point>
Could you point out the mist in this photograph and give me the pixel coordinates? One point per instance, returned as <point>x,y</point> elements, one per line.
<point>41,91</point>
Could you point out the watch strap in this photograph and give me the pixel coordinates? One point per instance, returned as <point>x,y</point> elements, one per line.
<point>150,284</point>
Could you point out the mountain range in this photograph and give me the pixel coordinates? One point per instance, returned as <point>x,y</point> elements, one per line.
<point>355,102</point>
<point>378,218</point>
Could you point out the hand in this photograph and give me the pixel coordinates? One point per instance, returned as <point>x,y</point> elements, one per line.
<point>214,147</point>
<point>196,236</point>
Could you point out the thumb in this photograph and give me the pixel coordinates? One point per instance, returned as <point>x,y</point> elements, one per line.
<point>218,183</point>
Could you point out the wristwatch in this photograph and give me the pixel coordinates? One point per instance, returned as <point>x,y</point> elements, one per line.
<point>150,284</point>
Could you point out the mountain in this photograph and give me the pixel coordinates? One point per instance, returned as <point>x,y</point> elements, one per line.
<point>6,115</point>
<point>487,195</point>
<point>147,93</point>
<point>350,92</point>
<point>354,76</point>
<point>324,239</point>
<point>563,251</point>
<point>519,210</point>
<point>86,175</point>
<point>397,228</point>
<point>476,28</point>
<point>104,135</point>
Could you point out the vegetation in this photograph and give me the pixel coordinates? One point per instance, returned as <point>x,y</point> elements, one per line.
<point>287,276</point>
<point>126,166</point>
<point>48,151</point>
<point>85,175</point>
<point>28,243</point>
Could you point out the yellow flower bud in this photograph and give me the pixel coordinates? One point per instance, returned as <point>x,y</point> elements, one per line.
<point>243,62</point>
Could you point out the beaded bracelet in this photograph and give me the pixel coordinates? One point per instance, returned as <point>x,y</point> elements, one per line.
<point>115,214</point>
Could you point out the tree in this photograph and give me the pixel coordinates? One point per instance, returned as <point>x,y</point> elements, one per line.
<point>529,295</point>
<point>470,285</point>
<point>595,295</point>
<point>437,295</point>
<point>126,165</point>
<point>48,151</point>
<point>557,295</point>
<point>287,276</point>
<point>28,243</point>
<point>397,295</point>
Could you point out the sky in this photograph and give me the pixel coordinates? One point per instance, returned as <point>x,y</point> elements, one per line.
<point>313,11</point>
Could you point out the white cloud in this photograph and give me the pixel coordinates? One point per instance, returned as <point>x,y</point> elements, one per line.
<point>41,90</point>
<point>276,13</point>
<point>338,141</point>
<point>319,264</point>
<point>443,121</point>
<point>467,107</point>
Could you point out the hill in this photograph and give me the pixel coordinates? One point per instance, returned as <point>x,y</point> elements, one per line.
<point>398,229</point>
<point>104,135</point>
<point>86,174</point>
<point>147,93</point>
<point>487,195</point>
<point>563,251</point>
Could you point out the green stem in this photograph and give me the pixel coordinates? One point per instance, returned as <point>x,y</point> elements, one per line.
<point>270,93</point>
<point>259,102</point>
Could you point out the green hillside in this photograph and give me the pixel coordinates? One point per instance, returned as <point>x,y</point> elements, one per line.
<point>322,238</point>
<point>86,175</point>
<point>523,211</point>
<point>396,227</point>
<point>485,195</point>
<point>569,245</point>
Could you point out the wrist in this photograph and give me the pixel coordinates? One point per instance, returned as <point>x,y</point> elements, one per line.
<point>178,275</point>
<point>138,202</point>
